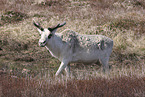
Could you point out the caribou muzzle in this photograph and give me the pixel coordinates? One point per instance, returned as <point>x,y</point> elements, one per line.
<point>42,44</point>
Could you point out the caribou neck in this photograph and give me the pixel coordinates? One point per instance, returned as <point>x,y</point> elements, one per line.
<point>55,46</point>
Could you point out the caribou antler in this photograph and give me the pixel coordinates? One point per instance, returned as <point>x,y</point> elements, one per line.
<point>60,25</point>
<point>38,26</point>
<point>57,26</point>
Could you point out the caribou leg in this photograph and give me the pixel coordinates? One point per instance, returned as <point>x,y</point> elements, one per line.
<point>105,64</point>
<point>67,70</point>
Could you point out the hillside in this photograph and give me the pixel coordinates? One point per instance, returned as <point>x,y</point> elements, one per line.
<point>22,60</point>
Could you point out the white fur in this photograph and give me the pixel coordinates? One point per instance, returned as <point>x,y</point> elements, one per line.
<point>76,48</point>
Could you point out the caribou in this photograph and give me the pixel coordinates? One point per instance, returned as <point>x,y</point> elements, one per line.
<point>72,47</point>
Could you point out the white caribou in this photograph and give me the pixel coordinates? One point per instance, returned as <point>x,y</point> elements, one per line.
<point>71,47</point>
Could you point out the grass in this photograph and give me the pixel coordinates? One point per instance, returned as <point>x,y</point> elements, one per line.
<point>28,70</point>
<point>117,86</point>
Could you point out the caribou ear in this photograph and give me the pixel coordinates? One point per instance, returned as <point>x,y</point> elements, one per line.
<point>38,26</point>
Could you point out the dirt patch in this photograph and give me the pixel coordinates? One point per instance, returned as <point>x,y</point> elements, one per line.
<point>12,17</point>
<point>135,25</point>
<point>14,45</point>
<point>26,59</point>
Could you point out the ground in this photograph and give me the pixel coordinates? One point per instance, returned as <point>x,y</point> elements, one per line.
<point>28,70</point>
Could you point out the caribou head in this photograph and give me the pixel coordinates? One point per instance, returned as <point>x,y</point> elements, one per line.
<point>47,33</point>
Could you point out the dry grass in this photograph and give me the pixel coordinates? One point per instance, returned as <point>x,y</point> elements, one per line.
<point>28,70</point>
<point>93,87</point>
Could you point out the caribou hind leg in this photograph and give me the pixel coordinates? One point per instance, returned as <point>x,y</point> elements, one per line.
<point>67,70</point>
<point>105,64</point>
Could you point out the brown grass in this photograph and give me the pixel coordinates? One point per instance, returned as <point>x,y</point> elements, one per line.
<point>28,70</point>
<point>93,87</point>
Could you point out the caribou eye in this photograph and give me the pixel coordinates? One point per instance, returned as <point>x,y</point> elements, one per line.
<point>49,36</point>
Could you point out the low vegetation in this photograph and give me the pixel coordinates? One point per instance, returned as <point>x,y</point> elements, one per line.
<point>28,70</point>
<point>93,87</point>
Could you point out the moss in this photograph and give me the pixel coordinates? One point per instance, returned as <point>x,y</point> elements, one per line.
<point>127,24</point>
<point>12,16</point>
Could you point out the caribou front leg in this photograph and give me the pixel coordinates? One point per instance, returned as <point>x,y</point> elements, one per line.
<point>61,67</point>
